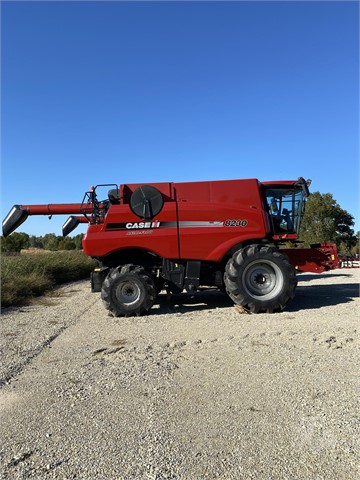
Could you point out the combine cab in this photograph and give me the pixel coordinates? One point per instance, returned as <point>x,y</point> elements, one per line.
<point>147,237</point>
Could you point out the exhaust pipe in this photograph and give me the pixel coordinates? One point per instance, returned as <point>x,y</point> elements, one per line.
<point>14,219</point>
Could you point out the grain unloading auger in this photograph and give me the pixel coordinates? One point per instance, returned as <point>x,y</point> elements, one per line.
<point>19,213</point>
<point>89,211</point>
<point>177,236</point>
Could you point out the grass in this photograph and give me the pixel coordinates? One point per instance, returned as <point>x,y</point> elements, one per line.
<point>31,275</point>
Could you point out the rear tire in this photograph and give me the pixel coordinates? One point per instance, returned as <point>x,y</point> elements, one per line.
<point>260,278</point>
<point>128,290</point>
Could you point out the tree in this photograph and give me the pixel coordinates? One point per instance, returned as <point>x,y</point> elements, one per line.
<point>78,241</point>
<point>356,248</point>
<point>35,242</point>
<point>66,244</point>
<point>15,242</point>
<point>325,221</point>
<point>51,241</point>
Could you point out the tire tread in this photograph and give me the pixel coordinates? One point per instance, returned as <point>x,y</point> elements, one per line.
<point>117,273</point>
<point>233,283</point>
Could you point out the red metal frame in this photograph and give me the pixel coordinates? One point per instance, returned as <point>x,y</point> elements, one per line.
<point>317,259</point>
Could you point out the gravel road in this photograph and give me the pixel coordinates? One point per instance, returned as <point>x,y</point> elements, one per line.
<point>194,390</point>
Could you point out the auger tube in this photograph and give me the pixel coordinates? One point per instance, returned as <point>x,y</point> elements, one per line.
<point>19,213</point>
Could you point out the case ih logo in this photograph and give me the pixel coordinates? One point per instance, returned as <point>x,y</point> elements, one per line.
<point>131,226</point>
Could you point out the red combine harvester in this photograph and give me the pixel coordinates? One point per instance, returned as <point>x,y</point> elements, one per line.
<point>147,237</point>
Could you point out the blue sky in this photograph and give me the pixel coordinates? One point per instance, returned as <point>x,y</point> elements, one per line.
<point>117,92</point>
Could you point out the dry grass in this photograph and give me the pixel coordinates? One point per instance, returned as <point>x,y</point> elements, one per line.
<point>26,276</point>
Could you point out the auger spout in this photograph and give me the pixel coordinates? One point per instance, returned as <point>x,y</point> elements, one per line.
<point>71,223</point>
<point>14,219</point>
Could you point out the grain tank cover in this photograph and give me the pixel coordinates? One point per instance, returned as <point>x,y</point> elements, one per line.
<point>146,202</point>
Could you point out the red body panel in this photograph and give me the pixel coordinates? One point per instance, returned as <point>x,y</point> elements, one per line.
<point>211,240</point>
<point>103,239</point>
<point>192,221</point>
<point>214,204</point>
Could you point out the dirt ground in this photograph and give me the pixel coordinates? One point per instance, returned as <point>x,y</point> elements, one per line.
<point>194,390</point>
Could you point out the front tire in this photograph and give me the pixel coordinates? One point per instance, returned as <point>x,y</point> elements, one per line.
<point>128,291</point>
<point>260,278</point>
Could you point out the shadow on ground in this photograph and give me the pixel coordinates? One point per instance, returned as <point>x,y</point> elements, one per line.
<point>206,299</point>
<point>307,297</point>
<point>317,296</point>
<point>305,277</point>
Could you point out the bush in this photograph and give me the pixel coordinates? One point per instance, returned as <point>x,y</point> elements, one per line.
<point>14,243</point>
<point>30,275</point>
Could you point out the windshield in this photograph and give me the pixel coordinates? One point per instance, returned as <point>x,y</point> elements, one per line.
<point>285,209</point>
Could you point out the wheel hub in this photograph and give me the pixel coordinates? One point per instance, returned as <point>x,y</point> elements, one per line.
<point>128,292</point>
<point>263,279</point>
<point>260,279</point>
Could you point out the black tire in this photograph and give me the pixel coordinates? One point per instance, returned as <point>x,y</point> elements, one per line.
<point>128,290</point>
<point>260,278</point>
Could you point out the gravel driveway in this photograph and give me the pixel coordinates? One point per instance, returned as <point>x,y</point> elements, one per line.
<point>194,390</point>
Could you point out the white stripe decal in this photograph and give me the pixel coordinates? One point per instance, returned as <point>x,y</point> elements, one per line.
<point>192,224</point>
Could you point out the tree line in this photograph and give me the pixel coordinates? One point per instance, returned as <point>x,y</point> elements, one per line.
<point>324,221</point>
<point>16,242</point>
